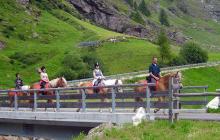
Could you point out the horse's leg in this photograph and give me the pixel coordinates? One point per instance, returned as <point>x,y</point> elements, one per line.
<point>80,101</point>
<point>102,101</point>
<point>163,100</point>
<point>158,101</point>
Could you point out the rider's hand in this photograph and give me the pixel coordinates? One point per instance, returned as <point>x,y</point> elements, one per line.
<point>157,78</point>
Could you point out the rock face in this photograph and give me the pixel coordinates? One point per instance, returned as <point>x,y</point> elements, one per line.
<point>213,8</point>
<point>2,45</point>
<point>23,2</point>
<point>107,16</point>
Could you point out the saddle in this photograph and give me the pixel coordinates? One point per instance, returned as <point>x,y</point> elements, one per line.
<point>97,83</point>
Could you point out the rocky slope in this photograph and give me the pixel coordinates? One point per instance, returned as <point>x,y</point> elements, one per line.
<point>107,16</point>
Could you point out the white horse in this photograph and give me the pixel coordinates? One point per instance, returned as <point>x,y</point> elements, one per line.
<point>111,82</point>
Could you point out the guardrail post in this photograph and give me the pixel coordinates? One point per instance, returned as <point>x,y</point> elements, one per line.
<point>113,100</point>
<point>177,107</point>
<point>83,100</point>
<point>16,101</point>
<point>58,100</point>
<point>171,100</point>
<point>35,100</point>
<point>205,89</point>
<point>148,101</point>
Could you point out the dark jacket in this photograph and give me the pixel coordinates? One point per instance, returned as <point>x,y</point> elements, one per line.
<point>18,83</point>
<point>155,70</point>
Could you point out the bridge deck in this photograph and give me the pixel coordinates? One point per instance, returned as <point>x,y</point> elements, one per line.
<point>92,118</point>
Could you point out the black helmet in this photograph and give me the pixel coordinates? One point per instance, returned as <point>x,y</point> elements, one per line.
<point>96,64</point>
<point>43,67</point>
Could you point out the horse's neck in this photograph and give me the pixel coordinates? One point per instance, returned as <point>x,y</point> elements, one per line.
<point>53,83</point>
<point>164,83</point>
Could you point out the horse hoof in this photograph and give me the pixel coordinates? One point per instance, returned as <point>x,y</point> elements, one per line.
<point>156,110</point>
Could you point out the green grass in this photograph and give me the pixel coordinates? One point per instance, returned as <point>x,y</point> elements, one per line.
<point>213,110</point>
<point>163,130</point>
<point>133,55</point>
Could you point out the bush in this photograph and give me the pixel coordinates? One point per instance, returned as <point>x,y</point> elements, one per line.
<point>74,67</point>
<point>177,61</point>
<point>28,58</point>
<point>8,31</point>
<point>192,53</point>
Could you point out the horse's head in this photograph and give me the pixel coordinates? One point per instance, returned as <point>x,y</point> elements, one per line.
<point>177,79</point>
<point>119,89</point>
<point>62,82</point>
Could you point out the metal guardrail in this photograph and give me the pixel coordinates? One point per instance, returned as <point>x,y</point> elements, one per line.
<point>173,104</point>
<point>130,75</point>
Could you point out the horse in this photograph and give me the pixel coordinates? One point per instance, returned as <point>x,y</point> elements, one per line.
<point>55,83</point>
<point>102,91</point>
<point>161,85</point>
<point>111,82</point>
<point>11,94</point>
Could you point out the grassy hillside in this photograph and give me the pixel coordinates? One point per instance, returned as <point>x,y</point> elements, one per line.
<point>163,130</point>
<point>43,33</point>
<point>34,37</point>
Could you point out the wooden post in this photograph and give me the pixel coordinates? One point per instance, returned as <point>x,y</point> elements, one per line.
<point>83,100</point>
<point>171,100</point>
<point>113,100</point>
<point>16,101</point>
<point>35,100</point>
<point>58,100</point>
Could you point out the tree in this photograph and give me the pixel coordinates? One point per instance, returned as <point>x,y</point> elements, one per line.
<point>144,9</point>
<point>137,17</point>
<point>135,5</point>
<point>163,18</point>
<point>192,53</point>
<point>164,47</point>
<point>130,2</point>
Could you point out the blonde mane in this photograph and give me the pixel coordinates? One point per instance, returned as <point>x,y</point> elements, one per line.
<point>53,83</point>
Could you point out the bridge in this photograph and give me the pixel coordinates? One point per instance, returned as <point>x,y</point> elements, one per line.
<point>35,116</point>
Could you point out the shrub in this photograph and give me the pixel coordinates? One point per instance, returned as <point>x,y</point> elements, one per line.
<point>192,53</point>
<point>177,61</point>
<point>8,31</point>
<point>27,58</point>
<point>74,67</point>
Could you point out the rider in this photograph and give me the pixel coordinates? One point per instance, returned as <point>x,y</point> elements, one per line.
<point>154,72</point>
<point>43,76</point>
<point>18,81</point>
<point>98,76</point>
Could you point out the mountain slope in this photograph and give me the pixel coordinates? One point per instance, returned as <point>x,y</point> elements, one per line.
<point>34,36</point>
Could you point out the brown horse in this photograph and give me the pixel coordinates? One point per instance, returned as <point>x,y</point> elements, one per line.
<point>11,94</point>
<point>102,91</point>
<point>55,83</point>
<point>161,85</point>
